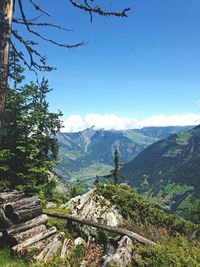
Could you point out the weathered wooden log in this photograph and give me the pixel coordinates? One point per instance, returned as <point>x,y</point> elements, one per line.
<point>43,253</point>
<point>25,215</point>
<point>4,221</point>
<point>64,249</point>
<point>24,203</point>
<point>42,219</point>
<point>40,245</point>
<point>23,246</point>
<point>116,230</point>
<point>20,237</point>
<point>6,197</point>
<point>52,250</point>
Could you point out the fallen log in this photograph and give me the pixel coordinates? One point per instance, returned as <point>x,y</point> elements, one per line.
<point>6,197</point>
<point>42,219</point>
<point>25,215</point>
<point>67,248</point>
<point>24,203</point>
<point>23,246</point>
<point>63,253</point>
<point>43,253</point>
<point>52,250</point>
<point>116,230</point>
<point>40,245</point>
<point>20,237</point>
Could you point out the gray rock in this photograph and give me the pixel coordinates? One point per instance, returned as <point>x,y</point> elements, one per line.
<point>123,255</point>
<point>79,241</point>
<point>93,207</point>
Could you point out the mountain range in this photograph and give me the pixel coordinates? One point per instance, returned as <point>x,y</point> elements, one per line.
<point>86,154</point>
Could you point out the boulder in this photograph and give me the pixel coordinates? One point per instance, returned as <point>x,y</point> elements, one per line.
<point>93,207</point>
<point>122,256</point>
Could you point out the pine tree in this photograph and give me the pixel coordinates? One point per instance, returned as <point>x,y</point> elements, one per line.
<point>29,146</point>
<point>115,174</point>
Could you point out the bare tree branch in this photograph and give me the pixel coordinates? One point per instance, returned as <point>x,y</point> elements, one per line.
<point>38,8</point>
<point>98,9</point>
<point>39,24</point>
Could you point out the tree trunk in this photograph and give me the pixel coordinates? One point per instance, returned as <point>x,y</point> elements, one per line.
<point>42,219</point>
<point>6,197</point>
<point>52,250</point>
<point>25,215</point>
<point>23,246</point>
<point>20,237</point>
<point>108,228</point>
<point>40,245</point>
<point>6,13</point>
<point>21,204</point>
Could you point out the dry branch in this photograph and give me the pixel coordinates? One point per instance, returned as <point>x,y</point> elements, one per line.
<point>108,228</point>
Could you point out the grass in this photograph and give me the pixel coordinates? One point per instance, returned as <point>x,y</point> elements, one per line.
<point>6,260</point>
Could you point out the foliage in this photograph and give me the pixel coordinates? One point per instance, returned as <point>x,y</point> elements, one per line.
<point>195,212</point>
<point>133,207</point>
<point>115,174</point>
<point>172,161</point>
<point>6,260</point>
<point>176,252</point>
<point>29,146</point>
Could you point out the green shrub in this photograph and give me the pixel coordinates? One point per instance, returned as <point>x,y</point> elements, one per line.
<point>176,252</point>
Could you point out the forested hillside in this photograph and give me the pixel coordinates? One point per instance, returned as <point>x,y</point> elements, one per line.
<point>169,171</point>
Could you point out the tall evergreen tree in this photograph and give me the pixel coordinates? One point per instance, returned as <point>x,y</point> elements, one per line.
<point>29,146</point>
<point>115,174</point>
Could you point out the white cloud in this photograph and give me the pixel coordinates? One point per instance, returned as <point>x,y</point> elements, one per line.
<point>75,122</point>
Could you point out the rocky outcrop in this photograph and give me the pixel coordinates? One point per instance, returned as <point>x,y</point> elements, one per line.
<point>122,257</point>
<point>93,207</point>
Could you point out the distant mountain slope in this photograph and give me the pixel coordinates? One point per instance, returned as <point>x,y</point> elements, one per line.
<point>169,170</point>
<point>88,153</point>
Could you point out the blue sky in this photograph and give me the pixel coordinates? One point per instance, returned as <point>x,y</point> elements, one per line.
<point>139,67</point>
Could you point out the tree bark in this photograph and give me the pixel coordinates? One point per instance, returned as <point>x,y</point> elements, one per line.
<point>40,245</point>
<point>42,219</point>
<point>6,13</point>
<point>108,228</point>
<point>20,237</point>
<point>23,246</point>
<point>24,203</point>
<point>52,250</point>
<point>25,215</point>
<point>6,197</point>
